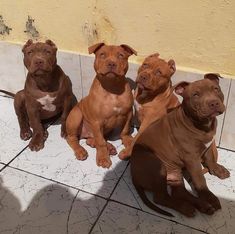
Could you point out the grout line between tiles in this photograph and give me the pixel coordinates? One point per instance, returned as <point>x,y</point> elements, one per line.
<point>222,128</point>
<point>108,199</point>
<point>70,210</point>
<point>219,147</point>
<point>80,64</point>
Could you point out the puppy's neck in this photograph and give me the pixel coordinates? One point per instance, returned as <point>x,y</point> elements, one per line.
<point>47,82</point>
<point>112,85</point>
<point>145,96</point>
<point>205,125</point>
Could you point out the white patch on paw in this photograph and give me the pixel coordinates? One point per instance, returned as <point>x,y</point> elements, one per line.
<point>46,103</point>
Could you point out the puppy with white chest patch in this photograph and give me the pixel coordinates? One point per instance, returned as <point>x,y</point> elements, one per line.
<point>108,105</point>
<point>47,93</point>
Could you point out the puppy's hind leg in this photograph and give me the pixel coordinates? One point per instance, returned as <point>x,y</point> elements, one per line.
<point>20,109</point>
<point>73,125</point>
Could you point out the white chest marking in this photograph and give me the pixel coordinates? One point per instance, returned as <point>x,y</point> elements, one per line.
<point>46,102</point>
<point>209,143</point>
<point>117,109</point>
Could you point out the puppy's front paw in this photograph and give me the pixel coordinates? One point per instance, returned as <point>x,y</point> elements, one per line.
<point>209,197</point>
<point>103,161</point>
<point>124,154</point>
<point>36,143</point>
<point>25,134</point>
<point>81,154</point>
<point>220,171</point>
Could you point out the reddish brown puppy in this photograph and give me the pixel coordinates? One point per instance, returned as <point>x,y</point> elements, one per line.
<point>181,140</point>
<point>47,92</point>
<point>107,106</point>
<point>153,95</point>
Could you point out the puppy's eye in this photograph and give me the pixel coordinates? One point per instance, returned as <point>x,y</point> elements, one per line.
<point>216,89</point>
<point>158,72</point>
<point>102,55</point>
<point>196,94</point>
<point>120,56</point>
<point>145,65</point>
<point>29,52</point>
<point>48,52</point>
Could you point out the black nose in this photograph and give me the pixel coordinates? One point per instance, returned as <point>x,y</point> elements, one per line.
<point>213,104</point>
<point>111,64</point>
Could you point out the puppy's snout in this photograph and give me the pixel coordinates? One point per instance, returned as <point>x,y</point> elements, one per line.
<point>143,78</point>
<point>213,104</point>
<point>38,62</point>
<point>111,65</point>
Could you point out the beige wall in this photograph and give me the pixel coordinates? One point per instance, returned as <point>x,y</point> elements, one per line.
<point>198,34</point>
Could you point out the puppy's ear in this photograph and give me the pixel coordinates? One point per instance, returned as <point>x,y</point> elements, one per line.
<point>171,64</point>
<point>154,55</point>
<point>128,49</point>
<point>95,48</point>
<point>27,44</point>
<point>180,87</point>
<point>51,43</point>
<point>213,76</point>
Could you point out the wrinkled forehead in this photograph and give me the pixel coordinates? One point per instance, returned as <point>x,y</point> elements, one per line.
<point>110,50</point>
<point>39,46</point>
<point>204,85</point>
<point>154,61</point>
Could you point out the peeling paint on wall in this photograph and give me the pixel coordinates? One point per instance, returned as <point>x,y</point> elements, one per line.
<point>30,28</point>
<point>4,29</point>
<point>99,28</point>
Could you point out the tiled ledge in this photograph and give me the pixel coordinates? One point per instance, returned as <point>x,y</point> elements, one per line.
<point>81,72</point>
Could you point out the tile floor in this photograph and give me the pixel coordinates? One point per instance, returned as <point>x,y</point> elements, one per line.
<point>50,192</point>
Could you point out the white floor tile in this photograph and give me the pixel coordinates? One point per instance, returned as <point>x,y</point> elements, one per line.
<point>30,204</point>
<point>222,221</point>
<point>12,74</point>
<point>70,64</point>
<point>57,161</point>
<point>228,134</point>
<point>11,144</point>
<point>88,73</point>
<point>117,218</point>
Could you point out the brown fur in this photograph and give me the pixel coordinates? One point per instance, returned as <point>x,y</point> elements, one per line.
<point>107,106</point>
<point>178,141</point>
<point>44,78</point>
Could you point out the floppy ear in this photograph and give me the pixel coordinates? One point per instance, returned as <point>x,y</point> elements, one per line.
<point>180,87</point>
<point>94,48</point>
<point>51,43</point>
<point>128,49</point>
<point>213,76</point>
<point>171,64</point>
<point>27,44</point>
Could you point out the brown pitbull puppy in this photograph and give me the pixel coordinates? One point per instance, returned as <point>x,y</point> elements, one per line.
<point>153,95</point>
<point>181,140</point>
<point>47,92</point>
<point>107,106</point>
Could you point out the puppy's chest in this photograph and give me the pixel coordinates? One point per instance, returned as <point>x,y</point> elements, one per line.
<point>47,102</point>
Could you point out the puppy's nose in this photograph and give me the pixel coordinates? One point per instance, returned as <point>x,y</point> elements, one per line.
<point>111,65</point>
<point>38,61</point>
<point>143,78</point>
<point>213,104</point>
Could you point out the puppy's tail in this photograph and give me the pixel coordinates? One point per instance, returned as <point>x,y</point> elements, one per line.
<point>7,93</point>
<point>148,203</point>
